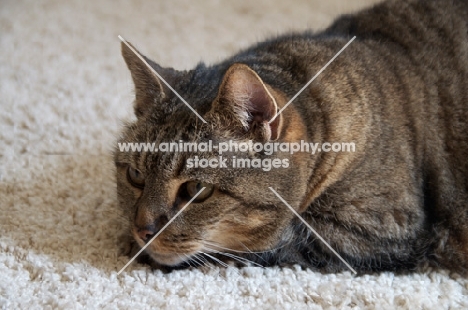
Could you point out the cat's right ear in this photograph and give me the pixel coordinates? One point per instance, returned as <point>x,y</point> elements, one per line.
<point>245,101</point>
<point>148,87</point>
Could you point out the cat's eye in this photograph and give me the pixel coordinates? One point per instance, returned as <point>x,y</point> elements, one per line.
<point>193,187</point>
<point>135,177</point>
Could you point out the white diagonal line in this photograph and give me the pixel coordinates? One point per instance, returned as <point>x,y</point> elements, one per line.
<point>161,78</point>
<point>159,232</point>
<point>311,80</point>
<point>313,230</point>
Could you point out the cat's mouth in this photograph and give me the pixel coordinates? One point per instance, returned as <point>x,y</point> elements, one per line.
<point>169,259</point>
<point>167,255</point>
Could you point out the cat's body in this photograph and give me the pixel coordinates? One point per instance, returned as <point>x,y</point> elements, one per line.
<point>399,92</point>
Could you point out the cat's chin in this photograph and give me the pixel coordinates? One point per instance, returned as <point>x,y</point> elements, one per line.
<point>170,260</point>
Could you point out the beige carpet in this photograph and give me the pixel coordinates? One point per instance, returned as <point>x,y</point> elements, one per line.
<point>63,91</point>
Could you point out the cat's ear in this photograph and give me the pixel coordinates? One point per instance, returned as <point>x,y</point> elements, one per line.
<point>248,99</point>
<point>148,87</point>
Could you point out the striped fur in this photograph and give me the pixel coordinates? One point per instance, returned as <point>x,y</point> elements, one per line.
<point>399,92</point>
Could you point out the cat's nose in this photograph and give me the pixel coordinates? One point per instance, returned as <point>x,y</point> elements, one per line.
<point>146,232</point>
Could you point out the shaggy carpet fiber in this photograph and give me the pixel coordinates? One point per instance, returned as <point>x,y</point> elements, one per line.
<point>64,93</point>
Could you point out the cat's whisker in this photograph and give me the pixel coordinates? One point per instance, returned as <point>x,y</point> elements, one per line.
<point>254,253</point>
<point>187,259</point>
<point>198,260</point>
<point>228,249</point>
<point>208,243</point>
<point>216,260</point>
<point>221,262</point>
<point>214,251</point>
<point>261,252</point>
<point>206,262</point>
<point>242,260</point>
<point>200,257</point>
<point>192,263</point>
<point>202,262</point>
<point>221,247</point>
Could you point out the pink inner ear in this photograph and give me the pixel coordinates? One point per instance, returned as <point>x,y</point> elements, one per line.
<point>244,93</point>
<point>261,107</point>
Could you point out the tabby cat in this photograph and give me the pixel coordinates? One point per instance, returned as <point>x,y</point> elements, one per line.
<point>399,92</point>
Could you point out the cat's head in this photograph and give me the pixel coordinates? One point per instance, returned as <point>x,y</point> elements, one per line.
<point>236,211</point>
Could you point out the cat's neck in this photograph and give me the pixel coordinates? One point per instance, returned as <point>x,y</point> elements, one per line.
<point>325,117</point>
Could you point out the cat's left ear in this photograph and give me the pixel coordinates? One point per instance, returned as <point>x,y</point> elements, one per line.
<point>149,90</point>
<point>248,100</point>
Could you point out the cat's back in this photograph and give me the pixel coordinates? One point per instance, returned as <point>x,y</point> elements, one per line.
<point>424,45</point>
<point>431,38</point>
<point>409,23</point>
<point>409,55</point>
